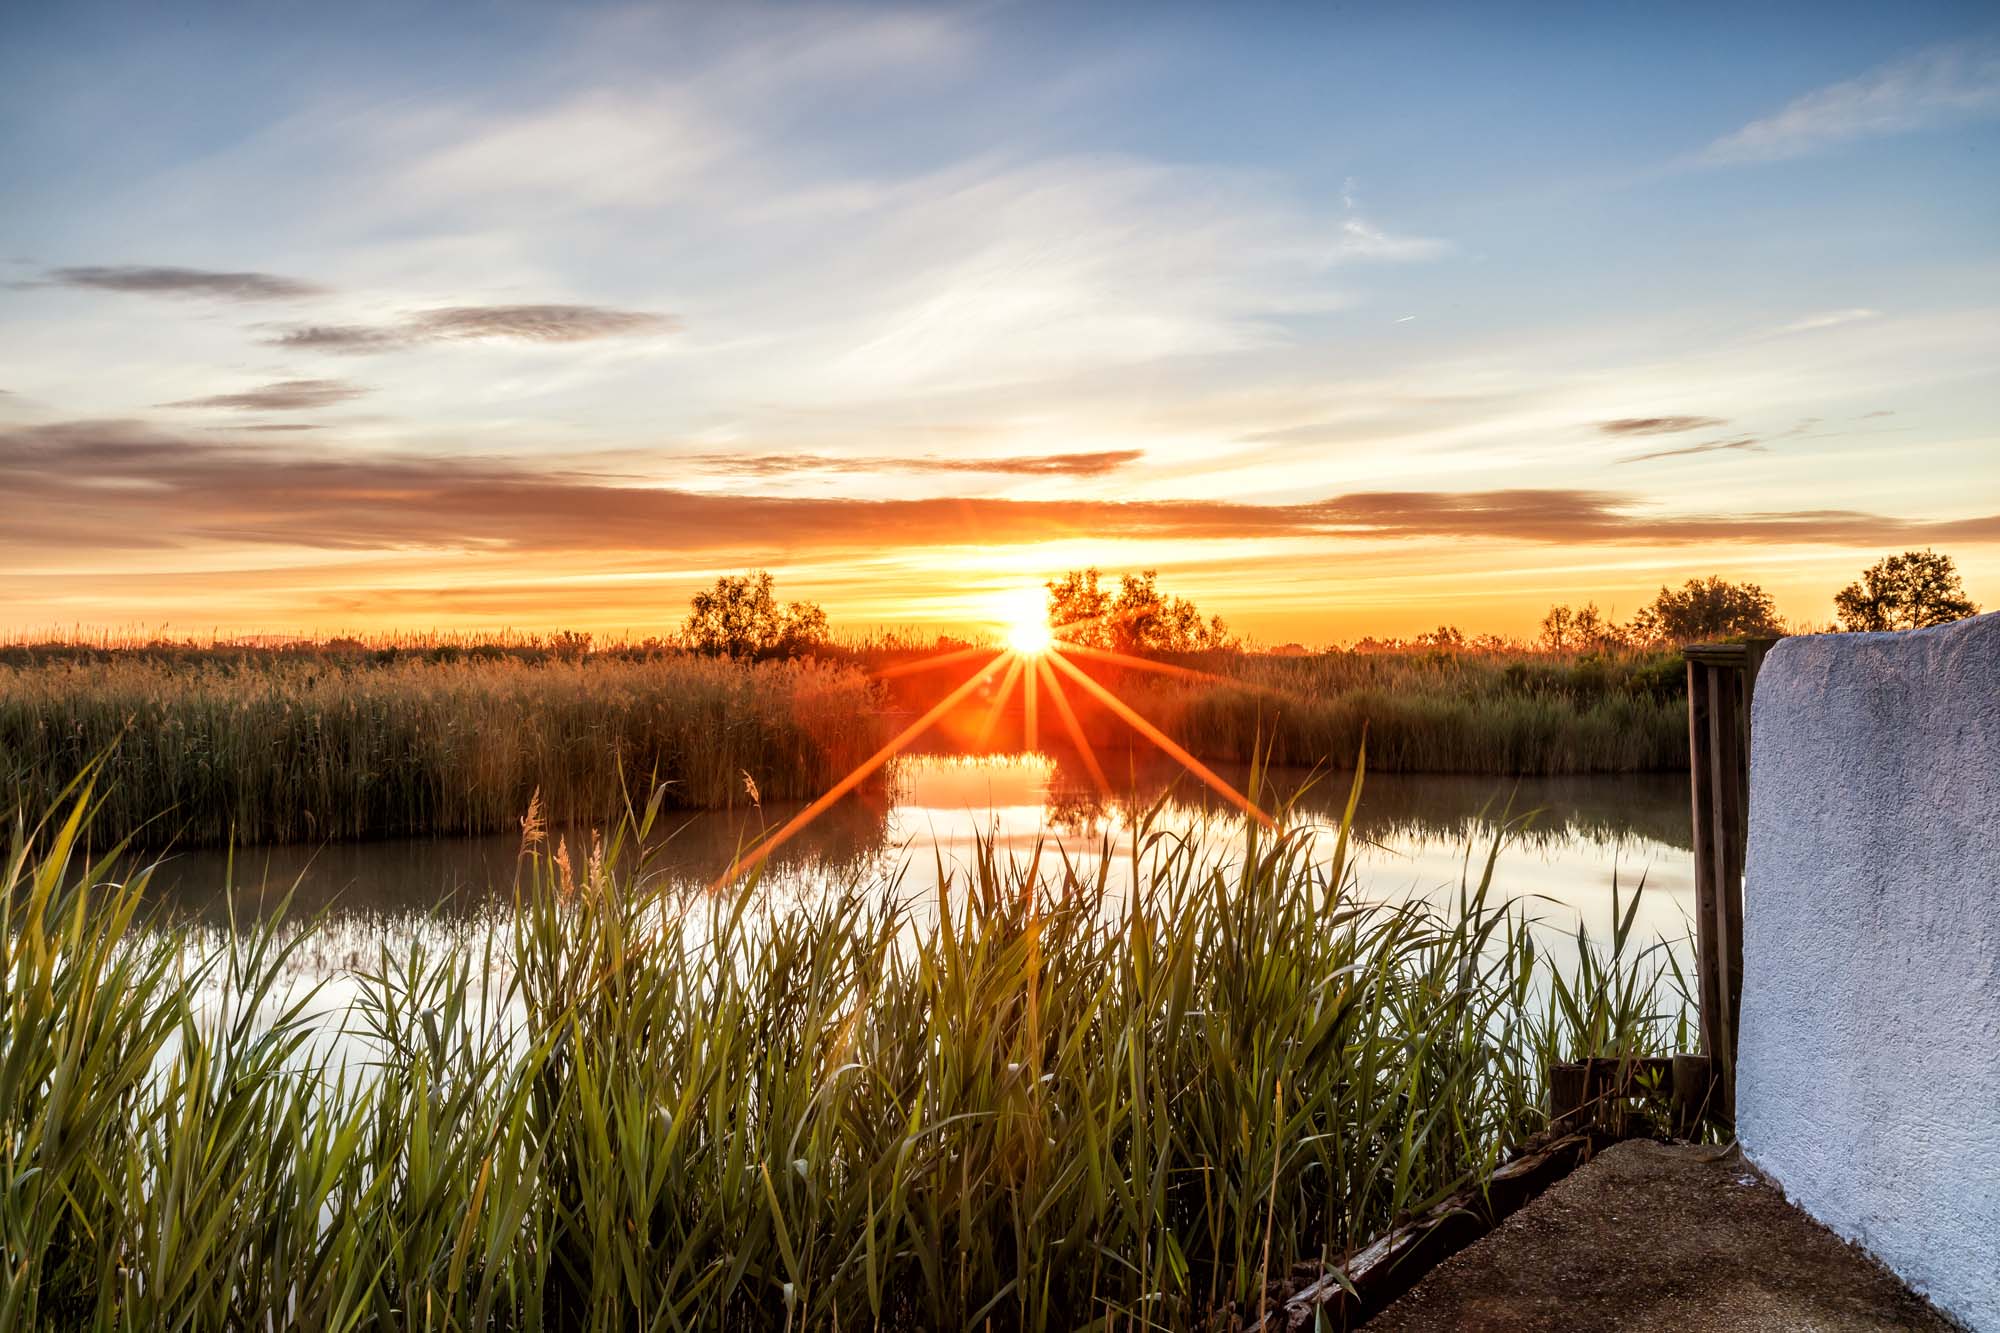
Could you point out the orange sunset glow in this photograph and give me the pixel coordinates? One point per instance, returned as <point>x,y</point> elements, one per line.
<point>999,665</point>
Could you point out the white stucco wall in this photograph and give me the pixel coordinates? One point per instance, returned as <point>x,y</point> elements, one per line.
<point>1869,1077</point>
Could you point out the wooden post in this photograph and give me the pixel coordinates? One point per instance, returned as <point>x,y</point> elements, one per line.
<point>1721,681</point>
<point>1568,1087</point>
<point>1692,1088</point>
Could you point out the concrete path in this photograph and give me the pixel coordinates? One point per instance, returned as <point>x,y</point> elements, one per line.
<point>1660,1236</point>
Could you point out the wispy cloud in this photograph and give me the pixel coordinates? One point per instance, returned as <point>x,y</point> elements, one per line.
<point>1749,443</point>
<point>283,396</point>
<point>159,280</point>
<point>822,278</point>
<point>1829,319</point>
<point>1803,427</point>
<point>1941,86</point>
<point>1363,239</point>
<point>1092,464</point>
<point>1360,239</point>
<point>520,323</point>
<point>1658,425</point>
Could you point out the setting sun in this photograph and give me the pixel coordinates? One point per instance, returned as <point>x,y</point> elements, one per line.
<point>1029,637</point>
<point>1025,621</point>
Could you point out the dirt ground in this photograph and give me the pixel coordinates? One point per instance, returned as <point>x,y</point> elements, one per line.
<point>1660,1236</point>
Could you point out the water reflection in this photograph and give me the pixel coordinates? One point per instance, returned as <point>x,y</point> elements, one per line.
<point>379,906</point>
<point>1565,841</point>
<point>1568,837</point>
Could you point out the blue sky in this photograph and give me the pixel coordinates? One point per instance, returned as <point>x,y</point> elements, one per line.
<point>1348,320</point>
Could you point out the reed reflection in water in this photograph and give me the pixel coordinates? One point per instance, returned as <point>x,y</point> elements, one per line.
<point>1423,834</point>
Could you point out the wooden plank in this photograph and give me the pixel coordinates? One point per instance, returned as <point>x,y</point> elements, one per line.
<point>1722,654</point>
<point>1592,1094</point>
<point>1390,1266</point>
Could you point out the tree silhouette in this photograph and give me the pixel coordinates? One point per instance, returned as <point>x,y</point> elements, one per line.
<point>1585,629</point>
<point>1907,591</point>
<point>1078,608</point>
<point>1140,619</point>
<point>1710,608</point>
<point>739,617</point>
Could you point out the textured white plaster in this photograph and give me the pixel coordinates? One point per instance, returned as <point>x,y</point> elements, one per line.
<point>1869,1077</point>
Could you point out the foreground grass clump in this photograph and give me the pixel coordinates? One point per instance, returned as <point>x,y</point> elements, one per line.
<point>1431,712</point>
<point>1022,1104</point>
<point>277,748</point>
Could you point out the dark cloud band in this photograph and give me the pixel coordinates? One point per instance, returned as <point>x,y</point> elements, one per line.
<point>339,338</point>
<point>107,480</point>
<point>1093,464</point>
<point>519,323</point>
<point>159,280</point>
<point>284,396</point>
<point>1658,425</point>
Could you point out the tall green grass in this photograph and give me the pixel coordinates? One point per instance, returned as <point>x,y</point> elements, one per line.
<point>1430,712</point>
<point>278,749</point>
<point>1026,1102</point>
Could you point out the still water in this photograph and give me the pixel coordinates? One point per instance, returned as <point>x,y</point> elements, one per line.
<point>1564,843</point>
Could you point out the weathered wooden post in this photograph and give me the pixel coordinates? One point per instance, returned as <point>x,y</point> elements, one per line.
<point>1721,680</point>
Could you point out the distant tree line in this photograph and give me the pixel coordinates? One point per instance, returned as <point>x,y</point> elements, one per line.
<point>741,616</point>
<point>1710,608</point>
<point>1909,591</point>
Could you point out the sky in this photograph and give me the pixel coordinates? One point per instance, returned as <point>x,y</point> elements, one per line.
<point>1349,320</point>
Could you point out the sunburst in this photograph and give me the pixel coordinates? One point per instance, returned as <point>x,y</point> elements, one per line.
<point>1034,662</point>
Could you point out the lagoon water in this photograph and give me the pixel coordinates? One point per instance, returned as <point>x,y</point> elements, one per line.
<point>1565,842</point>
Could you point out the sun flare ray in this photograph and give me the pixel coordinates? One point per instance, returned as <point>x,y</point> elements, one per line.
<point>1031,680</point>
<point>933,662</point>
<point>1143,664</point>
<point>1116,658</point>
<point>1001,693</point>
<point>763,850</point>
<point>1166,743</point>
<point>1071,725</point>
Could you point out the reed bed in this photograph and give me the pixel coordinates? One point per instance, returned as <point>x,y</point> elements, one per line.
<point>1024,1103</point>
<point>1431,712</point>
<point>341,739</point>
<point>273,748</point>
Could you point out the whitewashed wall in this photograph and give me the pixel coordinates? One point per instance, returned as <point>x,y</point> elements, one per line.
<point>1869,1075</point>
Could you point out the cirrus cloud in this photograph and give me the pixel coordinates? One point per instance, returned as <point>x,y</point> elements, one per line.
<point>1940,86</point>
